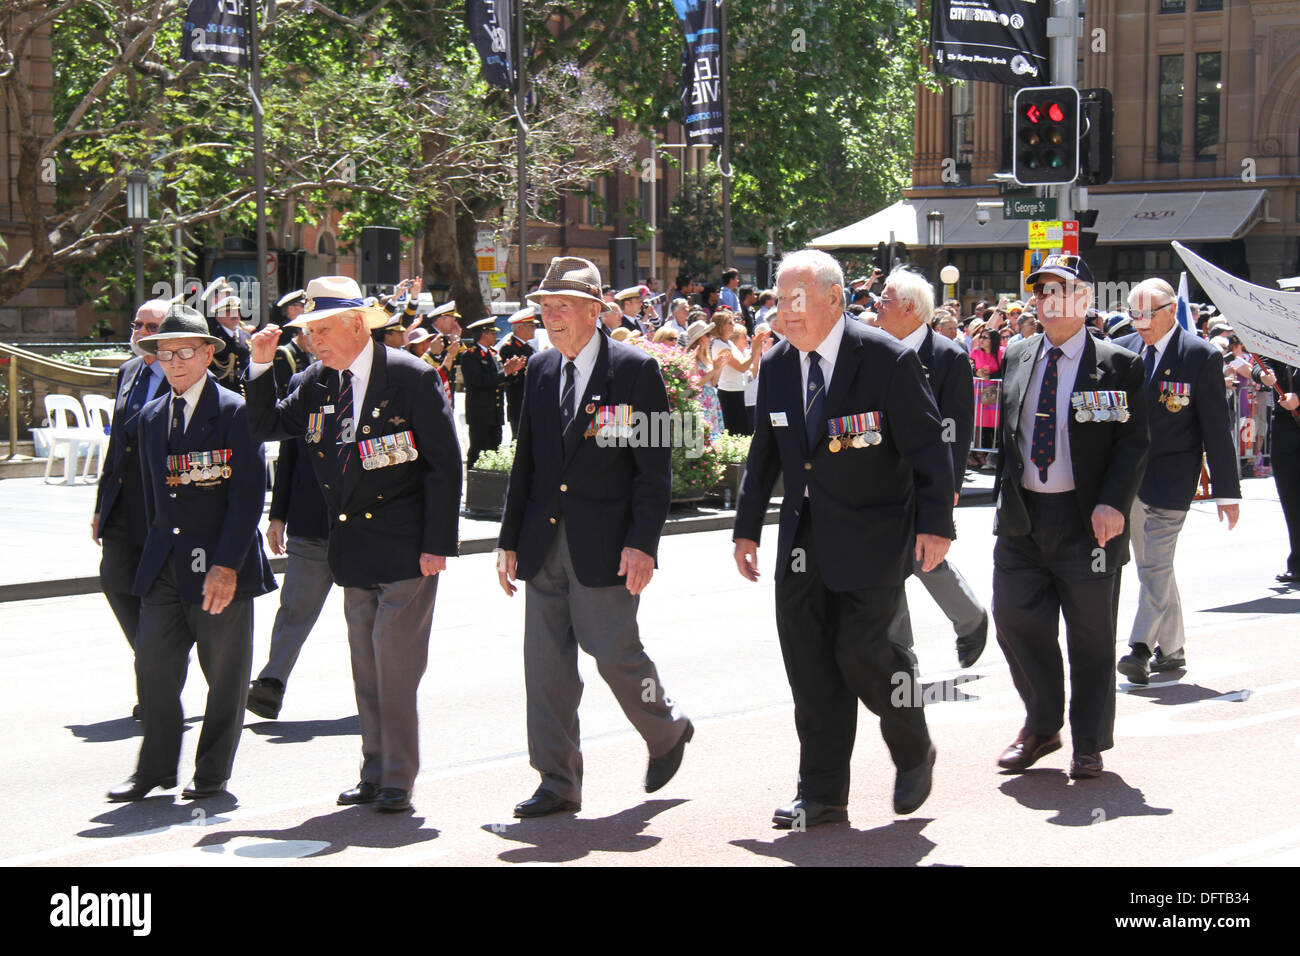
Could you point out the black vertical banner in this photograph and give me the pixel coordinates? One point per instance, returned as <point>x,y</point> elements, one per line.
<point>701,70</point>
<point>216,31</point>
<point>490,26</point>
<point>1000,41</point>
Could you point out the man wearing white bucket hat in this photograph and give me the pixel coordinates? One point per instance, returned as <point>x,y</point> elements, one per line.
<point>385,453</point>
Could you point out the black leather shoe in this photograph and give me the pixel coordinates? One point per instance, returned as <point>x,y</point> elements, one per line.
<point>199,788</point>
<point>393,800</point>
<point>1027,750</point>
<point>802,814</point>
<point>1136,665</point>
<point>1289,577</point>
<point>544,802</point>
<point>364,792</point>
<point>911,787</point>
<point>137,713</point>
<point>265,698</point>
<point>137,789</point>
<point>1085,766</point>
<point>1173,662</point>
<point>971,646</point>
<point>662,769</point>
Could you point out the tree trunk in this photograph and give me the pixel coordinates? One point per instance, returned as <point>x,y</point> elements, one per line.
<point>451,233</point>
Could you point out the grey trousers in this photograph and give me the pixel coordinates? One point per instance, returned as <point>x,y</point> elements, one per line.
<point>307,584</point>
<point>388,633</point>
<point>562,615</point>
<point>1159,619</point>
<point>169,627</point>
<point>953,595</point>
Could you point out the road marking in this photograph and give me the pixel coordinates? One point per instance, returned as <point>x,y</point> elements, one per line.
<point>1173,721</point>
<point>1276,849</point>
<point>240,851</point>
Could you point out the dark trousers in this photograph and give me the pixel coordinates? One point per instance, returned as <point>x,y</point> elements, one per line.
<point>734,417</point>
<point>117,565</point>
<point>169,627</point>
<point>838,650</point>
<point>1286,473</point>
<point>1037,577</point>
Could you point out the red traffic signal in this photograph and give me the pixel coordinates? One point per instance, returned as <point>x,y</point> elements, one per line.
<point>1045,139</point>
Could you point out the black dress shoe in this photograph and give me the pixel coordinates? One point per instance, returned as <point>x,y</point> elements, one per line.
<point>1289,577</point>
<point>1085,766</point>
<point>265,698</point>
<point>543,803</point>
<point>1136,665</point>
<point>971,646</point>
<point>803,813</point>
<point>393,800</point>
<point>364,792</point>
<point>1172,662</point>
<point>137,713</point>
<point>911,787</point>
<point>1028,749</point>
<point>138,789</point>
<point>199,788</point>
<point>662,769</point>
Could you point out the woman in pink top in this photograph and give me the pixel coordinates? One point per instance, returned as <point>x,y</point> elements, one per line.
<point>986,356</point>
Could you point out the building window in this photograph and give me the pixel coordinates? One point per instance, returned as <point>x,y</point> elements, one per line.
<point>1207,6</point>
<point>1209,84</point>
<point>1173,6</point>
<point>597,202</point>
<point>1170,118</point>
<point>961,125</point>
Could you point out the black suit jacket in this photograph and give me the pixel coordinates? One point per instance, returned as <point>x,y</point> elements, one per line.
<point>1107,458</point>
<point>1178,438</point>
<point>381,521</point>
<point>947,369</point>
<point>120,486</point>
<point>200,525</point>
<point>868,503</point>
<point>609,497</point>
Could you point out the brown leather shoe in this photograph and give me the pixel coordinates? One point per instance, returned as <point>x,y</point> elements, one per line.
<point>1085,766</point>
<point>1027,750</point>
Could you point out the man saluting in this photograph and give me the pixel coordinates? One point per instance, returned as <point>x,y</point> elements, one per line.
<point>385,453</point>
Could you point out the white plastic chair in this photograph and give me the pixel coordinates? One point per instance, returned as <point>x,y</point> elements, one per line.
<point>99,417</point>
<point>272,449</point>
<point>67,435</point>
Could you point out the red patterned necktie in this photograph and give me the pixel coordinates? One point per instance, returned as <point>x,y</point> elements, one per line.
<point>344,418</point>
<point>1042,450</point>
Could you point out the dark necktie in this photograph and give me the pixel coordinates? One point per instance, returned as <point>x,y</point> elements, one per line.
<point>566,399</point>
<point>1149,360</point>
<point>177,431</point>
<point>138,397</point>
<point>1042,451</point>
<point>815,397</point>
<point>344,417</point>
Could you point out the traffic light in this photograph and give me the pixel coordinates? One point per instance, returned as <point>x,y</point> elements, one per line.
<point>1097,139</point>
<point>1045,137</point>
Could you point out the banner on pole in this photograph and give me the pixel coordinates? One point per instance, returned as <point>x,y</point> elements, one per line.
<point>216,31</point>
<point>999,41</point>
<point>702,70</point>
<point>1266,320</point>
<point>490,25</point>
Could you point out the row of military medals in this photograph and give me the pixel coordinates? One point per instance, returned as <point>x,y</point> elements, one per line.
<point>1175,396</point>
<point>613,420</point>
<point>854,431</point>
<point>387,450</point>
<point>198,466</point>
<point>1100,406</point>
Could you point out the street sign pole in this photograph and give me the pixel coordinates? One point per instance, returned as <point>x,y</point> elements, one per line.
<point>1062,29</point>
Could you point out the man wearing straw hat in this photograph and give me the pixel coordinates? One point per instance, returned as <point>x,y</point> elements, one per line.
<point>385,452</point>
<point>581,526</point>
<point>202,562</point>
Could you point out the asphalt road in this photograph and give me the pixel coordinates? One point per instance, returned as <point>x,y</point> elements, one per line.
<point>1202,772</point>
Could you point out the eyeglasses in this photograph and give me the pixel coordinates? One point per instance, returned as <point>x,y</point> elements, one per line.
<point>1147,313</point>
<point>185,354</point>
<point>150,327</point>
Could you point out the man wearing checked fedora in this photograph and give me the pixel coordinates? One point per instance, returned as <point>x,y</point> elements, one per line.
<point>383,446</point>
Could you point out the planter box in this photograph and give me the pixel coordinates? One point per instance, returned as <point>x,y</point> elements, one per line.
<point>485,493</point>
<point>728,489</point>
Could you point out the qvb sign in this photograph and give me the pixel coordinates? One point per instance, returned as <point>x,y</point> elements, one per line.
<point>1014,208</point>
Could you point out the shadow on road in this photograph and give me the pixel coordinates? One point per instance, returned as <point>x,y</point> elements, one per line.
<point>563,838</point>
<point>1082,803</point>
<point>159,813</point>
<point>1268,605</point>
<point>300,731</point>
<point>341,829</point>
<point>838,844</point>
<point>949,691</point>
<point>1176,694</point>
<point>120,728</point>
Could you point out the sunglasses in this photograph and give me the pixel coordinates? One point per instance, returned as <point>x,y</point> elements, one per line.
<point>150,327</point>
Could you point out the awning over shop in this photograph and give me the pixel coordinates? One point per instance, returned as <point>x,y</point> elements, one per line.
<point>1203,216</point>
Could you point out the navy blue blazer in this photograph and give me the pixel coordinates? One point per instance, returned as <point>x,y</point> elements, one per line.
<point>381,520</point>
<point>868,503</point>
<point>610,497</point>
<point>1178,438</point>
<point>1107,458</point>
<point>121,483</point>
<point>200,525</point>
<point>948,371</point>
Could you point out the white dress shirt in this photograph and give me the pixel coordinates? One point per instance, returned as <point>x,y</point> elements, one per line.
<point>585,364</point>
<point>191,399</point>
<point>827,352</point>
<point>1060,473</point>
<point>914,338</point>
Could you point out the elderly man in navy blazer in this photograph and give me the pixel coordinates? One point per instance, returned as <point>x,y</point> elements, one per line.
<point>386,455</point>
<point>1188,408</point>
<point>845,416</point>
<point>581,525</point>
<point>202,563</point>
<point>119,521</point>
